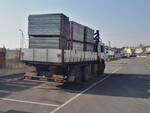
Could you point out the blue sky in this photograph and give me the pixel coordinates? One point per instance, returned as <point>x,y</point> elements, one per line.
<point>123,22</point>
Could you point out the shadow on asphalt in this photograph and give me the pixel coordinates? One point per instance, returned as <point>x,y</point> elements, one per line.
<point>16,86</point>
<point>119,85</point>
<point>78,87</point>
<point>14,83</point>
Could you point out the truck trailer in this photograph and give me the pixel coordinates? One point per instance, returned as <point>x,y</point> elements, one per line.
<point>61,50</point>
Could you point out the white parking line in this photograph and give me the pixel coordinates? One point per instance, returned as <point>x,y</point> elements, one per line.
<point>5,91</point>
<point>29,102</point>
<point>17,85</point>
<point>10,79</point>
<point>82,92</point>
<point>26,82</point>
<point>36,81</point>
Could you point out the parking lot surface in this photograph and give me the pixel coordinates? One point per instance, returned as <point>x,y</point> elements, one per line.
<point>125,88</point>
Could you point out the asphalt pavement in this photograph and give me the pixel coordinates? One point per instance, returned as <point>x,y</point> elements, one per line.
<point>125,88</point>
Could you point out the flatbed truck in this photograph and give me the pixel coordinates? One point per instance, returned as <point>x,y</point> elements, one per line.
<point>64,65</point>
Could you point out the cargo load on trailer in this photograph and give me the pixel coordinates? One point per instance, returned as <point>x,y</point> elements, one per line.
<point>62,50</point>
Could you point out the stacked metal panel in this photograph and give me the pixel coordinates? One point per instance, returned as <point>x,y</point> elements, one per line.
<point>48,31</point>
<point>72,45</point>
<point>89,39</point>
<point>78,46</point>
<point>89,35</point>
<point>76,41</point>
<point>54,31</point>
<point>49,24</point>
<point>47,42</point>
<point>77,31</point>
<point>89,47</point>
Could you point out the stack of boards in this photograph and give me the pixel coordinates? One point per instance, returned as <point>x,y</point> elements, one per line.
<point>55,31</point>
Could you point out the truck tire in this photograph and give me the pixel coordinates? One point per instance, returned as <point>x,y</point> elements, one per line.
<point>85,73</point>
<point>102,69</point>
<point>78,76</point>
<point>75,75</point>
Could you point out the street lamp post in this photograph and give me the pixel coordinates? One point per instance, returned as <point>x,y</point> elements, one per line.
<point>21,42</point>
<point>21,38</point>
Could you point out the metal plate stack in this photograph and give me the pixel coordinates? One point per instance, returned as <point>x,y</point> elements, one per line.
<point>89,35</point>
<point>73,45</point>
<point>77,31</point>
<point>89,39</point>
<point>48,31</point>
<point>89,47</point>
<point>76,41</point>
<point>47,42</point>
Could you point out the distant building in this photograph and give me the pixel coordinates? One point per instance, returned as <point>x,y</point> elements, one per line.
<point>138,51</point>
<point>119,53</point>
<point>127,51</point>
<point>113,53</point>
<point>110,52</point>
<point>146,49</point>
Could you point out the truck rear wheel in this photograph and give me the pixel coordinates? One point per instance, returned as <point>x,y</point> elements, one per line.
<point>85,73</point>
<point>102,67</point>
<point>44,71</point>
<point>75,74</point>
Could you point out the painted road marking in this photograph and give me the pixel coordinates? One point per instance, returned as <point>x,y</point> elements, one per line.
<point>5,91</point>
<point>21,81</point>
<point>17,85</point>
<point>26,82</point>
<point>82,92</point>
<point>36,81</point>
<point>29,102</point>
<point>11,79</point>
